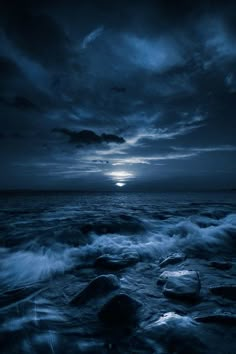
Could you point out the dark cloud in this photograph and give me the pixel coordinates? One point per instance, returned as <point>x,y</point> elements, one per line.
<point>7,67</point>
<point>88,137</point>
<point>36,34</point>
<point>158,77</point>
<point>100,161</point>
<point>20,102</point>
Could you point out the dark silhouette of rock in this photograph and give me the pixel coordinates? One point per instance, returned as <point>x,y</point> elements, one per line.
<point>97,287</point>
<point>221,318</point>
<point>116,262</point>
<point>173,259</point>
<point>221,265</point>
<point>227,291</point>
<point>184,284</point>
<point>120,310</point>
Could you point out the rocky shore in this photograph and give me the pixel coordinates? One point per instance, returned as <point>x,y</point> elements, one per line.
<point>174,305</point>
<point>161,281</point>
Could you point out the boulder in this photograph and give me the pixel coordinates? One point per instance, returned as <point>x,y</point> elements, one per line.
<point>221,265</point>
<point>173,259</point>
<point>116,262</point>
<point>227,291</point>
<point>168,273</point>
<point>183,285</point>
<point>120,310</point>
<point>179,334</point>
<point>99,286</point>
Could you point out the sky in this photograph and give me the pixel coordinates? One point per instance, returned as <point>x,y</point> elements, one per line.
<point>126,95</point>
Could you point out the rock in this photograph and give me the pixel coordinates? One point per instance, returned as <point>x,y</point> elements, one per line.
<point>178,333</point>
<point>227,291</point>
<point>168,322</point>
<point>168,273</point>
<point>181,284</point>
<point>117,261</point>
<point>97,287</point>
<point>120,310</point>
<point>221,265</point>
<point>173,259</point>
<point>221,318</point>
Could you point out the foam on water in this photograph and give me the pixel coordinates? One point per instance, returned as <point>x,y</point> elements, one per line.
<point>37,262</point>
<point>48,240</point>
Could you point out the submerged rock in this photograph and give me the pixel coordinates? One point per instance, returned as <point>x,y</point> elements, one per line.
<point>117,261</point>
<point>97,287</point>
<point>221,265</point>
<point>173,259</point>
<point>120,310</point>
<point>221,318</point>
<point>227,291</point>
<point>181,284</point>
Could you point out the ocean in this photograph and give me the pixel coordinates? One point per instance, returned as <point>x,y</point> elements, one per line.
<point>53,245</point>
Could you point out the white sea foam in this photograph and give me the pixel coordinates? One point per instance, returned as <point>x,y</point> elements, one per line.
<point>38,263</point>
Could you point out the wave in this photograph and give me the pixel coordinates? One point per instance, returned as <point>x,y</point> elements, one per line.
<point>35,263</point>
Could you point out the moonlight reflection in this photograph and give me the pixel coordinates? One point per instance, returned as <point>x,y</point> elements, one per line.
<point>120,174</point>
<point>120,184</point>
<point>120,177</point>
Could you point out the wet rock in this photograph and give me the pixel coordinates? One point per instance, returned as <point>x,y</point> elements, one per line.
<point>220,318</point>
<point>178,333</point>
<point>97,287</point>
<point>173,259</point>
<point>227,291</point>
<point>117,261</point>
<point>221,265</point>
<point>169,273</point>
<point>184,284</point>
<point>120,310</point>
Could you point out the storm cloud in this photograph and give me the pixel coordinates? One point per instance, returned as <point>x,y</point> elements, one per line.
<point>88,137</point>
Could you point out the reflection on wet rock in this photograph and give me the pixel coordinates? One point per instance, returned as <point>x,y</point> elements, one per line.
<point>173,259</point>
<point>184,285</point>
<point>179,334</point>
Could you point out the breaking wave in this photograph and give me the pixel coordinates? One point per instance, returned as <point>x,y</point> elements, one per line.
<point>58,241</point>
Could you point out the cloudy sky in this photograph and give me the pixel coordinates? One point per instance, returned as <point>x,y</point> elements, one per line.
<point>104,95</point>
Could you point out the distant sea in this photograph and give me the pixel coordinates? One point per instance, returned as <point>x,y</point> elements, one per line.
<point>49,244</point>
